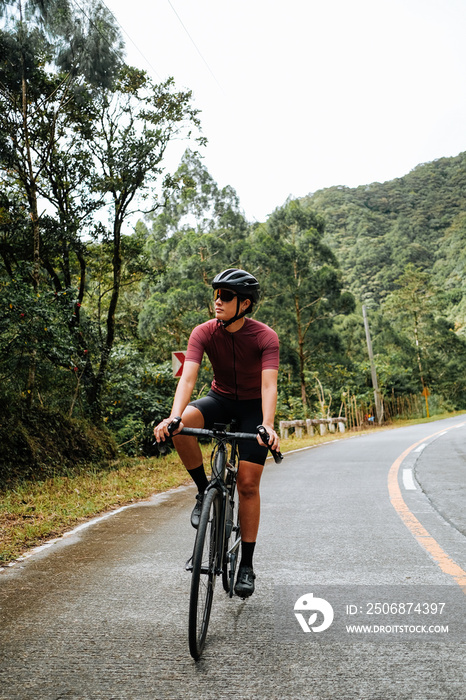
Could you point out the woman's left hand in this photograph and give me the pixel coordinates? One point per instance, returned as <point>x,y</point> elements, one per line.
<point>274,443</point>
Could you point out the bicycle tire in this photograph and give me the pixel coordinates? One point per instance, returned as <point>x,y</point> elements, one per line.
<point>205,570</point>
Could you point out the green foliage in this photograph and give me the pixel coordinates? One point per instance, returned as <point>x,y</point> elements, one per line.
<point>377,230</point>
<point>41,443</point>
<point>36,328</point>
<point>82,41</point>
<point>401,248</point>
<point>139,393</point>
<point>89,151</point>
<point>302,286</point>
<point>200,232</point>
<point>64,273</point>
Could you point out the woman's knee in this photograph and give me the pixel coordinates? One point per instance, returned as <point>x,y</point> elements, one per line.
<point>192,417</point>
<point>187,446</point>
<point>248,491</point>
<point>249,477</point>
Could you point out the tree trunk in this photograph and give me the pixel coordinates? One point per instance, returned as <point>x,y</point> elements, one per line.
<point>418,350</point>
<point>96,407</point>
<point>301,354</point>
<point>32,189</point>
<point>32,200</point>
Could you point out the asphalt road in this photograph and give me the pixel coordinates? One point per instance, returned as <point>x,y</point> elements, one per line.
<point>103,613</point>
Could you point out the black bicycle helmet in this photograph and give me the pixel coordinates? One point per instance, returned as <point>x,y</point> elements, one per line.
<point>244,285</point>
<point>241,282</point>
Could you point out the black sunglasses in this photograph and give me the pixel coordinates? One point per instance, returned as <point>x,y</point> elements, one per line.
<point>224,295</point>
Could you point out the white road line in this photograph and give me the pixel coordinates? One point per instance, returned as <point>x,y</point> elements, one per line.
<point>408,480</point>
<point>421,447</point>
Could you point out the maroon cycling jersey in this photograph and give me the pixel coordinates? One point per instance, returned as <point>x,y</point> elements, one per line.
<point>237,358</point>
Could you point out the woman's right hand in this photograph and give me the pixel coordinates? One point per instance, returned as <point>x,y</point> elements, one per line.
<point>161,431</point>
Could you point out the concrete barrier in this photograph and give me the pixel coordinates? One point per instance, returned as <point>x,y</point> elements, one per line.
<point>311,424</point>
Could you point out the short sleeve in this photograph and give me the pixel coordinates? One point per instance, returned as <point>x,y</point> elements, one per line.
<point>270,350</point>
<point>196,345</point>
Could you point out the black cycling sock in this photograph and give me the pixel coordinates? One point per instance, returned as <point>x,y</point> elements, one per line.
<point>199,477</point>
<point>247,551</point>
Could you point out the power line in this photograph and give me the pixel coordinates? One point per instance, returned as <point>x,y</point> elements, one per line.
<point>194,44</point>
<point>133,42</point>
<point>137,47</point>
<point>122,29</point>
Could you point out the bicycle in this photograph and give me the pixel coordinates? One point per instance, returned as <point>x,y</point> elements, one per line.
<point>213,553</point>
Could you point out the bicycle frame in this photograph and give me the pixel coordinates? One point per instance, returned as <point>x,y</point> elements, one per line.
<point>224,474</point>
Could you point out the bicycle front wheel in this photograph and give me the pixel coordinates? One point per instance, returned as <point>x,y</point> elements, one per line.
<point>205,570</point>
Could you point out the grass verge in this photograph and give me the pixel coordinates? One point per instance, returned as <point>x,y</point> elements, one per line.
<point>35,512</point>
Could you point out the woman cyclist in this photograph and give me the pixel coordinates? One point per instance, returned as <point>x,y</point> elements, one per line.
<point>244,354</point>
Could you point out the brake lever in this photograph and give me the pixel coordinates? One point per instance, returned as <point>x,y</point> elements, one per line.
<point>265,437</point>
<point>174,425</point>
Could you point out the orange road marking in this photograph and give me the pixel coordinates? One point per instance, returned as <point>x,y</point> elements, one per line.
<point>446,563</point>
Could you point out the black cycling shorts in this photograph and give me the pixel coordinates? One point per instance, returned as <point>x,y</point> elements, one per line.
<point>248,415</point>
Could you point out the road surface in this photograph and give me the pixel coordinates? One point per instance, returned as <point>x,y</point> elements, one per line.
<point>103,613</point>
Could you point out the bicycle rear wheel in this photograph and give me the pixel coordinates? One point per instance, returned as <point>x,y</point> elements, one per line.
<point>205,570</point>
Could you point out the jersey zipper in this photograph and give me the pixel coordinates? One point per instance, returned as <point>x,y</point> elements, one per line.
<point>234,366</point>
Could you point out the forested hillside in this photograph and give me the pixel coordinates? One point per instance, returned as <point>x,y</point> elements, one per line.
<point>376,230</point>
<point>91,310</point>
<point>401,246</point>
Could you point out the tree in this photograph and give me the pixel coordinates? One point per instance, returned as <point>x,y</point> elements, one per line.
<point>135,124</point>
<point>414,303</point>
<point>200,231</point>
<point>301,280</point>
<point>416,310</point>
<point>80,150</point>
<point>84,42</point>
<point>31,100</point>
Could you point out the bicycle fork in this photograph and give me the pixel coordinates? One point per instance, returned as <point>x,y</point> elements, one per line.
<point>220,529</point>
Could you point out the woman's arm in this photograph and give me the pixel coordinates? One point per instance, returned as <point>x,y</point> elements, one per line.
<point>183,395</point>
<point>185,388</point>
<point>269,379</point>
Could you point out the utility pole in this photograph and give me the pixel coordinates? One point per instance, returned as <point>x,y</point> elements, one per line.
<point>377,396</point>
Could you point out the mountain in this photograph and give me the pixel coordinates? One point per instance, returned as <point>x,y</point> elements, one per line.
<point>376,230</point>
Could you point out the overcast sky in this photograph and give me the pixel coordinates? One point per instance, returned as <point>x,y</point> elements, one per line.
<point>305,94</point>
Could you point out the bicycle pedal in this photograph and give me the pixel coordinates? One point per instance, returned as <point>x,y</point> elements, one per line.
<point>189,564</point>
